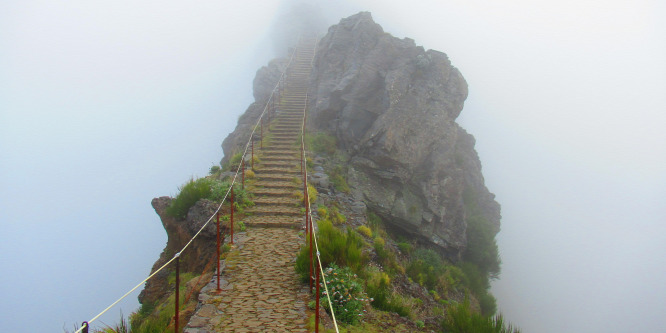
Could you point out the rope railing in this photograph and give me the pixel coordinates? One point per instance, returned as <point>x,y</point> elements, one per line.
<point>259,124</point>
<point>309,224</point>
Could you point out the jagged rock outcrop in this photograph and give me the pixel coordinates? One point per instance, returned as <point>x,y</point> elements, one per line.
<point>263,84</point>
<point>179,232</point>
<point>392,106</point>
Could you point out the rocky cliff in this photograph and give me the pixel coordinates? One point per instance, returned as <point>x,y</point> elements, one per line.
<point>392,106</point>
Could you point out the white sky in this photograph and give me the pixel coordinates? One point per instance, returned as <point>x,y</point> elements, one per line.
<point>104,106</point>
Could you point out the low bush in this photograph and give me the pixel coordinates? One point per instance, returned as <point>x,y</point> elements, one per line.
<point>428,269</point>
<point>461,319</point>
<point>336,217</point>
<point>323,212</point>
<point>347,296</point>
<point>321,143</point>
<point>189,194</point>
<point>405,247</point>
<point>234,162</point>
<point>374,221</point>
<point>312,194</point>
<point>214,169</point>
<point>205,188</point>
<point>336,247</point>
<point>478,283</point>
<point>365,231</point>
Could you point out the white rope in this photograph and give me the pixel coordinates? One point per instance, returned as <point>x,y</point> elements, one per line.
<point>247,145</point>
<point>307,195</point>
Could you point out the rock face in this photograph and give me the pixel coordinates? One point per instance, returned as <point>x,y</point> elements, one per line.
<point>179,232</point>
<point>392,107</point>
<point>263,85</point>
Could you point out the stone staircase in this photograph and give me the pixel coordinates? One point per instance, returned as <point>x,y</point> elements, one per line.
<point>261,291</point>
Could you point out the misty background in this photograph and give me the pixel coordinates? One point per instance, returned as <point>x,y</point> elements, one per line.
<point>105,105</point>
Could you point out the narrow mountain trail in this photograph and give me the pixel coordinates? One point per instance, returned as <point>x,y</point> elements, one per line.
<point>260,290</point>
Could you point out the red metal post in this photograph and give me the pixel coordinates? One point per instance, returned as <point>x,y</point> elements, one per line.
<point>218,252</point>
<point>307,224</point>
<point>311,237</point>
<point>177,290</point>
<point>84,326</point>
<point>317,304</point>
<point>232,214</point>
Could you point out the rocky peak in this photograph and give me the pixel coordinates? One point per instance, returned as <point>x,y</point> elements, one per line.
<point>392,107</point>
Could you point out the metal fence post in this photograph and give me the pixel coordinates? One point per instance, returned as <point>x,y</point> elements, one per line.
<point>232,214</point>
<point>218,252</point>
<point>317,305</point>
<point>177,289</point>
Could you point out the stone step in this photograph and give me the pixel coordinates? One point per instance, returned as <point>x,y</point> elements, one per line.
<point>276,211</point>
<point>287,127</point>
<point>289,185</point>
<point>285,148</point>
<point>280,164</point>
<point>281,154</point>
<point>277,177</point>
<point>281,221</point>
<point>292,150</point>
<point>281,158</point>
<point>275,192</point>
<point>275,201</point>
<point>285,171</point>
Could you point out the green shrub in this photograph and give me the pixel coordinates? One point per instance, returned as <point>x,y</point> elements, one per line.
<point>425,268</point>
<point>189,194</point>
<point>347,296</point>
<point>461,319</point>
<point>365,231</point>
<point>323,212</point>
<point>234,162</point>
<point>336,217</point>
<point>336,247</point>
<point>419,324</point>
<point>205,188</point>
<point>321,143</point>
<point>312,194</point>
<point>214,169</point>
<point>378,287</point>
<point>488,304</point>
<point>405,247</point>
<point>374,221</point>
<point>481,246</point>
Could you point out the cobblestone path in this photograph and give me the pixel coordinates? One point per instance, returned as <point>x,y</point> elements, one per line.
<point>260,290</point>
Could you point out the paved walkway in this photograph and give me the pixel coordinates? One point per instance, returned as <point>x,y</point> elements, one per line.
<point>261,291</point>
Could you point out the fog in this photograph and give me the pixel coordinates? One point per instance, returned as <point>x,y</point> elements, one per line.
<point>104,106</point>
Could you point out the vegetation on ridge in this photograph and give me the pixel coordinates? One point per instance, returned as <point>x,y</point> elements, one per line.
<point>205,188</point>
